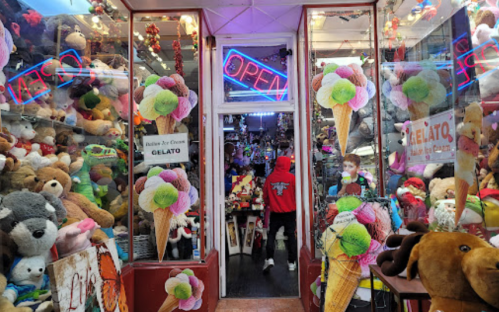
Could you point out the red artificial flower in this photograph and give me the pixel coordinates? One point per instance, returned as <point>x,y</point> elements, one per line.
<point>32,17</point>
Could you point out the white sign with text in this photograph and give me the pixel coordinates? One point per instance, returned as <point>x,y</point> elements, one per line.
<point>432,139</point>
<point>166,149</point>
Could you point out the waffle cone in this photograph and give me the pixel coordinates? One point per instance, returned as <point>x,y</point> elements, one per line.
<point>170,304</point>
<point>342,116</point>
<point>419,110</point>
<point>165,124</point>
<point>461,193</point>
<point>342,281</point>
<point>162,219</point>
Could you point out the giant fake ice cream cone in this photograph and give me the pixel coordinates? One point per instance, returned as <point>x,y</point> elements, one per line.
<point>419,110</point>
<point>184,291</point>
<point>165,193</point>
<point>166,100</point>
<point>342,281</point>
<point>343,89</point>
<point>468,146</point>
<point>343,241</point>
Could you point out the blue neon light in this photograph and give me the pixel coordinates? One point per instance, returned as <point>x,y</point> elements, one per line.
<point>29,69</point>
<point>30,100</point>
<point>233,51</point>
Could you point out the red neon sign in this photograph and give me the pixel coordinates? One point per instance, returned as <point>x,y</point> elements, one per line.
<point>19,86</point>
<point>255,76</point>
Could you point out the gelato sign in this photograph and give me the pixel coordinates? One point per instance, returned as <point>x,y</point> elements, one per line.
<point>166,149</point>
<point>432,139</point>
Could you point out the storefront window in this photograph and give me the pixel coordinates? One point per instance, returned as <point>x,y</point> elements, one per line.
<point>64,116</point>
<point>438,66</point>
<point>167,138</point>
<point>255,74</point>
<point>344,123</point>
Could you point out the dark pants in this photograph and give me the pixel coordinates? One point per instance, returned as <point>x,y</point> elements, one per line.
<point>288,220</point>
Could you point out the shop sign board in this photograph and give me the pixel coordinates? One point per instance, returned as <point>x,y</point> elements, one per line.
<point>88,279</point>
<point>255,76</point>
<point>166,149</point>
<point>432,139</point>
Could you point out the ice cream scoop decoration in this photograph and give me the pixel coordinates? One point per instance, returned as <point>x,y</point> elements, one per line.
<point>468,146</point>
<point>184,291</point>
<point>349,246</point>
<point>165,193</point>
<point>166,100</point>
<point>343,89</point>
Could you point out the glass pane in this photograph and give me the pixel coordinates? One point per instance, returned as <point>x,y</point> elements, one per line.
<point>167,137</point>
<point>64,110</point>
<point>255,74</point>
<point>437,69</point>
<point>341,49</point>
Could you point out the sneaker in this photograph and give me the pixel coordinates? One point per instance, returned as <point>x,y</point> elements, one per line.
<point>292,266</point>
<point>269,263</point>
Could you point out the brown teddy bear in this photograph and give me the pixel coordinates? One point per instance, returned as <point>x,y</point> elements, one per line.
<point>11,162</point>
<point>15,180</point>
<point>55,180</point>
<point>464,280</point>
<point>95,127</point>
<point>441,189</point>
<point>491,180</point>
<point>45,136</point>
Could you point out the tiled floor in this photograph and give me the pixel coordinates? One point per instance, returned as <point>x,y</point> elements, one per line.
<point>260,305</point>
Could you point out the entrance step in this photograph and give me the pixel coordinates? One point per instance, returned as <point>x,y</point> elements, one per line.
<point>260,305</point>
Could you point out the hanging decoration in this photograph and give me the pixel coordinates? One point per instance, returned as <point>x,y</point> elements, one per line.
<point>152,40</point>
<point>177,50</point>
<point>100,7</point>
<point>390,31</point>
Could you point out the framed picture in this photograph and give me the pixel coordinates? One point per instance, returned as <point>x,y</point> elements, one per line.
<point>232,235</point>
<point>249,235</point>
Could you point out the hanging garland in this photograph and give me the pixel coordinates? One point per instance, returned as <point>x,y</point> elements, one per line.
<point>152,40</point>
<point>177,49</point>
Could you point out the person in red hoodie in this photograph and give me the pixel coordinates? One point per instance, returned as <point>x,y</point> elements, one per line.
<point>279,195</point>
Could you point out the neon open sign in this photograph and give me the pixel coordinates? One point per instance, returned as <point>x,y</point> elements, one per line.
<point>251,74</point>
<point>18,83</point>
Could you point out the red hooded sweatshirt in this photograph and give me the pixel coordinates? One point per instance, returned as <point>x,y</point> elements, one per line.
<point>279,188</point>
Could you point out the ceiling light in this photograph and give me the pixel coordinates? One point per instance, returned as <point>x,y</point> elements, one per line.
<point>148,17</point>
<point>140,37</point>
<point>164,16</point>
<point>136,33</point>
<point>142,67</point>
<point>187,19</point>
<point>312,23</point>
<point>95,19</point>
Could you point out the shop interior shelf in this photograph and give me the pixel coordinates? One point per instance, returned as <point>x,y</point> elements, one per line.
<point>35,119</point>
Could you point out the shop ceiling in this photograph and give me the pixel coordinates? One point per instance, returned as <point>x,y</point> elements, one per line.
<point>242,16</point>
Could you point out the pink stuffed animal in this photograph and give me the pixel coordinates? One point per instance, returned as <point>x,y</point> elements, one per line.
<point>75,237</point>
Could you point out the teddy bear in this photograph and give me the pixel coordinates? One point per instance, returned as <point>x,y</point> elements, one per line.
<point>63,32</point>
<point>7,253</point>
<point>31,221</point>
<point>45,137</point>
<point>441,189</point>
<point>15,180</point>
<point>412,195</point>
<point>75,237</point>
<point>64,106</point>
<point>27,283</point>
<point>56,181</point>
<point>490,181</point>
<point>39,87</point>
<point>465,270</point>
<point>93,127</point>
<point>3,100</point>
<point>8,162</point>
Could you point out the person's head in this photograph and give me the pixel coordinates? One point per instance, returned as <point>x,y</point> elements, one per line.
<point>351,164</point>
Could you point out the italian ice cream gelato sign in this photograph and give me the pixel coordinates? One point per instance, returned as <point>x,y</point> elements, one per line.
<point>432,139</point>
<point>165,149</point>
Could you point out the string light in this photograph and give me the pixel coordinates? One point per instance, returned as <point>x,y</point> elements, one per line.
<point>95,19</point>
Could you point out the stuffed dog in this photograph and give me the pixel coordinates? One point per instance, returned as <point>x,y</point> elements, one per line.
<point>460,271</point>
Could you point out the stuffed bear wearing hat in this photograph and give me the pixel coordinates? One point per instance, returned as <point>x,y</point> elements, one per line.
<point>491,180</point>
<point>412,195</point>
<point>7,253</point>
<point>463,280</point>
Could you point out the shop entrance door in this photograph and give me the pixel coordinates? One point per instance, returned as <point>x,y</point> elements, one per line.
<point>258,147</point>
<point>253,76</point>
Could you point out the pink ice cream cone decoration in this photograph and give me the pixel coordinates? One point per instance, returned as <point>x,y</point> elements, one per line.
<point>343,89</point>
<point>184,291</point>
<point>165,193</point>
<point>166,100</point>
